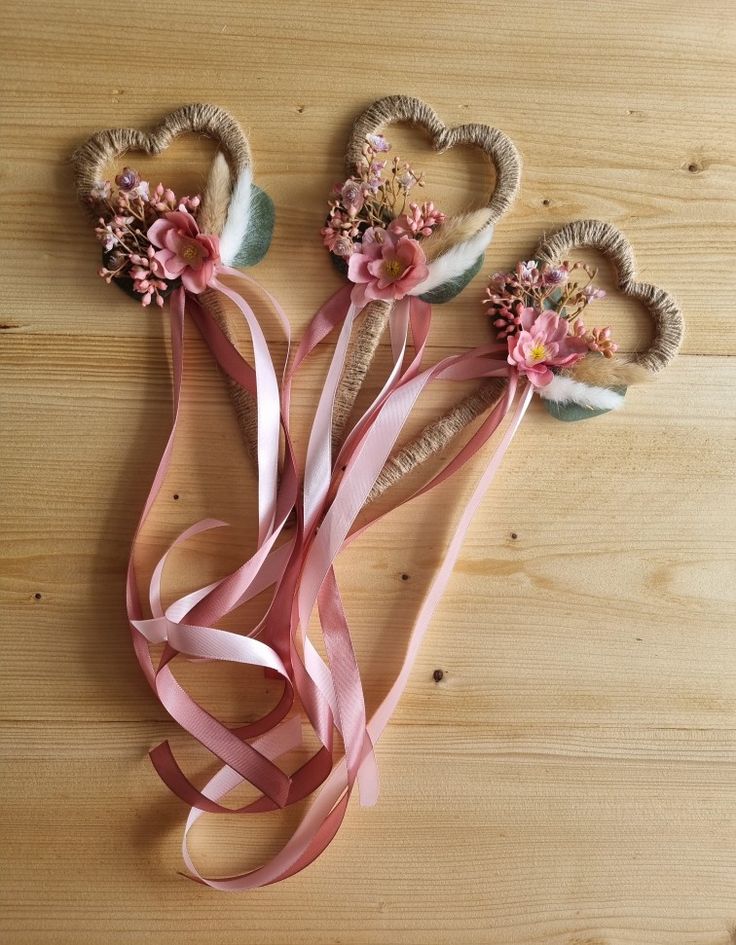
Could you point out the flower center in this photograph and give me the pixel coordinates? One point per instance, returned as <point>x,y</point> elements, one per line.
<point>190,251</point>
<point>392,268</point>
<point>538,352</point>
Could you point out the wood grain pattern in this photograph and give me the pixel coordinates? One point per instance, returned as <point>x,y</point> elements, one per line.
<point>572,778</point>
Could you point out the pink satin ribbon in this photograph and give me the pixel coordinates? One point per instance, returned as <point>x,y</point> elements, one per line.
<point>301,572</point>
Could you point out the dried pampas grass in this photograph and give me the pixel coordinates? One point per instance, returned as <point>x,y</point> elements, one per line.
<point>216,196</point>
<point>598,371</point>
<point>455,230</point>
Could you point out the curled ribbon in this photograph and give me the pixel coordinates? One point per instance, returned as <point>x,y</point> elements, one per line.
<point>301,572</point>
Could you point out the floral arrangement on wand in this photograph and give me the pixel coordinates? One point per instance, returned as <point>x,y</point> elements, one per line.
<point>375,231</point>
<point>150,238</point>
<point>537,310</point>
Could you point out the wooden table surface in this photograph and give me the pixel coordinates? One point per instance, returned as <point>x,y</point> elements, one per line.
<point>572,778</point>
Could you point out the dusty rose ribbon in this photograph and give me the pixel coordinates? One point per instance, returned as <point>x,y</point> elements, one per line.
<point>302,573</point>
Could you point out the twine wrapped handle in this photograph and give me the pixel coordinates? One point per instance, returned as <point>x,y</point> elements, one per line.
<point>507,164</point>
<point>92,158</point>
<point>668,333</point>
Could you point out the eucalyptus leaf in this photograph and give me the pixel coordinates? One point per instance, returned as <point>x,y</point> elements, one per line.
<point>260,229</point>
<point>572,412</point>
<point>448,290</point>
<point>553,299</point>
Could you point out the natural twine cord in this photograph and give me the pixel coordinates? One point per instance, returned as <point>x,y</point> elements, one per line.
<point>668,332</point>
<point>507,163</point>
<point>92,158</point>
<point>611,243</point>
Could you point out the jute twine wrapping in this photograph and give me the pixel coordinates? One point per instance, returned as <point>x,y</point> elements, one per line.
<point>91,160</point>
<point>668,331</point>
<point>611,243</point>
<point>505,159</point>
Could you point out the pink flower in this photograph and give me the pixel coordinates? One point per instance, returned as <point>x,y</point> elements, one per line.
<point>555,275</point>
<point>527,272</point>
<point>378,143</point>
<point>542,343</point>
<point>352,197</point>
<point>386,270</point>
<point>374,234</point>
<point>184,251</point>
<point>600,341</point>
<point>593,293</point>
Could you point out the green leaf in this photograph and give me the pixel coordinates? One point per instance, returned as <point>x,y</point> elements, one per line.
<point>553,299</point>
<point>572,412</point>
<point>260,229</point>
<point>448,290</point>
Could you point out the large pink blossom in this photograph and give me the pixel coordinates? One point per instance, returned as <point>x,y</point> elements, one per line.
<point>388,269</point>
<point>542,343</point>
<point>183,251</point>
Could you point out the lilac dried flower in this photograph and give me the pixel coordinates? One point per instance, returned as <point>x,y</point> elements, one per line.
<point>378,143</point>
<point>106,235</point>
<point>555,275</point>
<point>352,196</point>
<point>592,293</point>
<point>528,272</point>
<point>127,179</point>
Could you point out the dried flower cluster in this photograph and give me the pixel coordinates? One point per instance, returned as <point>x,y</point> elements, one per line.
<point>375,228</point>
<point>150,238</point>
<point>537,310</point>
<point>375,201</point>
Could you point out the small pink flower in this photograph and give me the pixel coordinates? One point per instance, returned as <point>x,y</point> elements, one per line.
<point>351,194</point>
<point>592,293</point>
<point>386,270</point>
<point>527,272</point>
<point>542,343</point>
<point>374,234</point>
<point>378,143</point>
<point>183,251</point>
<point>555,275</point>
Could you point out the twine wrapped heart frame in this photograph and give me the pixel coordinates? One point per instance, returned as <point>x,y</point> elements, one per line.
<point>474,229</point>
<point>192,248</point>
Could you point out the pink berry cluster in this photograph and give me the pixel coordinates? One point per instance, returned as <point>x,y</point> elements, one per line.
<point>565,288</point>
